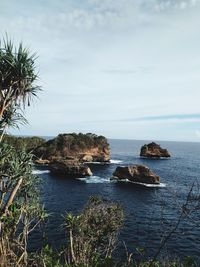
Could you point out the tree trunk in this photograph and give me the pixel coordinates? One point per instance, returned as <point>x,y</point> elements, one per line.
<point>12,195</point>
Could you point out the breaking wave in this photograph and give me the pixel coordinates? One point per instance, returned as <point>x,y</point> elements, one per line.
<point>40,172</point>
<point>115,161</point>
<point>161,185</point>
<point>94,180</point>
<point>112,161</point>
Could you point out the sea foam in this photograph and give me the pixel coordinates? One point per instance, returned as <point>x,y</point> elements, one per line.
<point>115,161</point>
<point>94,180</point>
<point>161,185</point>
<point>36,172</point>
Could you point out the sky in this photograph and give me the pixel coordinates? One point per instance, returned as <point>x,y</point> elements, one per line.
<point>126,69</point>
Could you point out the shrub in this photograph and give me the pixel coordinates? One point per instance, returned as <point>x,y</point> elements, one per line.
<point>93,233</point>
<point>27,143</point>
<point>20,210</point>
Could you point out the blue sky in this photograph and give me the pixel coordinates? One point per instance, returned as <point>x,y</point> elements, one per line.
<point>121,68</point>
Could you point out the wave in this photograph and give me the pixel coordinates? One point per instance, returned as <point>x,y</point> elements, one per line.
<point>94,180</point>
<point>40,172</point>
<point>115,161</point>
<point>161,185</point>
<point>112,161</point>
<point>99,180</point>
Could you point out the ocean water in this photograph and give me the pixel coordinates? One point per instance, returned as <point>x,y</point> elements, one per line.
<point>150,212</point>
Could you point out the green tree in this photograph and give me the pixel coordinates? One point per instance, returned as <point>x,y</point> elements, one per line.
<point>93,233</point>
<point>18,76</point>
<point>20,210</point>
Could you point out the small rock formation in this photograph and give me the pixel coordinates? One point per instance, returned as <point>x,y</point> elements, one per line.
<point>153,150</point>
<point>69,168</point>
<point>136,173</point>
<point>41,161</point>
<point>82,147</point>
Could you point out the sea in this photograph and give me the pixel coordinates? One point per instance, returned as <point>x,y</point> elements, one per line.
<point>152,213</point>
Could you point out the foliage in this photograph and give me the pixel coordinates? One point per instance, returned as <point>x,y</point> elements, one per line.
<point>51,258</point>
<point>46,258</point>
<point>17,81</point>
<point>20,211</point>
<point>27,143</point>
<point>93,233</point>
<point>71,143</point>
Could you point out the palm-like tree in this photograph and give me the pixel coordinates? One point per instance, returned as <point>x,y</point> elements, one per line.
<point>12,118</point>
<point>17,77</point>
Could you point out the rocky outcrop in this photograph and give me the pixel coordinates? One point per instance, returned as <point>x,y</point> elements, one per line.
<point>41,162</point>
<point>69,168</point>
<point>81,147</point>
<point>154,150</point>
<point>136,173</point>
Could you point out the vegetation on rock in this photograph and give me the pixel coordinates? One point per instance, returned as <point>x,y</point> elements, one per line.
<point>75,145</point>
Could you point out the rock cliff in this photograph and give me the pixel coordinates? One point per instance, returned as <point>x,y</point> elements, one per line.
<point>136,173</point>
<point>154,150</point>
<point>82,147</point>
<point>69,168</point>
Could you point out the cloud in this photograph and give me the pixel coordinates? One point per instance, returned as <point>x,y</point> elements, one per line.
<point>181,118</point>
<point>119,71</point>
<point>112,65</point>
<point>197,133</point>
<point>164,5</point>
<point>172,117</point>
<point>109,14</point>
<point>140,69</point>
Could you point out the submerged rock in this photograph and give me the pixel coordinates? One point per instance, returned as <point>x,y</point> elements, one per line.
<point>153,150</point>
<point>69,168</point>
<point>136,173</point>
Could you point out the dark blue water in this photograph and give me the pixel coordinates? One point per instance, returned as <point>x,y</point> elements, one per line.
<point>150,213</point>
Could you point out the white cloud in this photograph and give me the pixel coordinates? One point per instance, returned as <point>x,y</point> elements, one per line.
<point>96,13</point>
<point>162,5</point>
<point>197,133</point>
<point>109,60</point>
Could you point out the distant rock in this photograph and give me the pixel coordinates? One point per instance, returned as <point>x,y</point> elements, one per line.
<point>136,173</point>
<point>153,150</point>
<point>69,168</point>
<point>82,147</point>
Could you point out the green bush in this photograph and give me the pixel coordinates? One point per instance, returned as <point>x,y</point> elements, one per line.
<point>93,233</point>
<point>19,205</point>
<point>27,143</point>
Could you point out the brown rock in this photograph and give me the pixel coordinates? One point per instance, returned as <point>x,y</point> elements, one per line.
<point>136,173</point>
<point>41,161</point>
<point>69,168</point>
<point>86,158</point>
<point>153,150</point>
<point>84,147</point>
